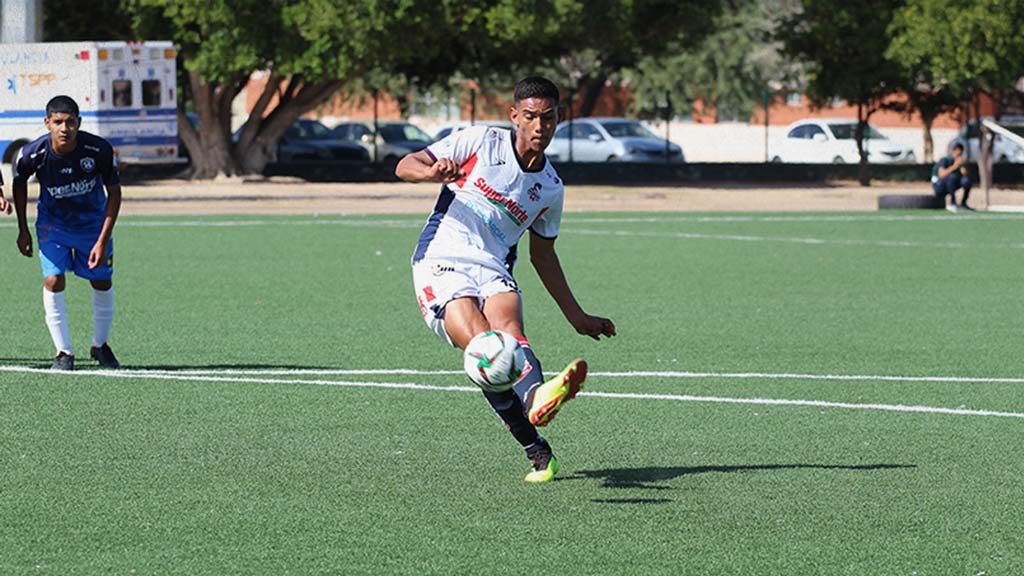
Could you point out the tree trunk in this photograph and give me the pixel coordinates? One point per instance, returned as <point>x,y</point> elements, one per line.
<point>213,156</point>
<point>863,171</point>
<point>985,145</point>
<point>929,142</point>
<point>591,86</point>
<point>212,150</point>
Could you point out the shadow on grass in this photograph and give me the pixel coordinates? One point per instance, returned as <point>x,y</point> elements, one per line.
<point>198,367</point>
<point>646,477</point>
<point>86,363</point>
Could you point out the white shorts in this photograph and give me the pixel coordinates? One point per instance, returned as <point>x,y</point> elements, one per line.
<point>438,282</point>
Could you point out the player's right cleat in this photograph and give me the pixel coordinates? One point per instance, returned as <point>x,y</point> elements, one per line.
<point>549,397</point>
<point>544,464</point>
<point>105,356</point>
<point>64,362</point>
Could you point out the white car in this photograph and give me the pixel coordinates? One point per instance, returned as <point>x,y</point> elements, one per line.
<point>1003,149</point>
<point>463,124</point>
<point>610,140</point>
<point>394,139</point>
<point>831,141</point>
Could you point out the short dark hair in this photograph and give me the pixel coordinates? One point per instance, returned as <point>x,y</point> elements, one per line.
<point>958,145</point>
<point>61,105</point>
<point>536,87</point>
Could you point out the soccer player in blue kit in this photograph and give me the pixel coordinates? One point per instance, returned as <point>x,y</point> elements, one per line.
<point>74,223</point>
<point>496,185</point>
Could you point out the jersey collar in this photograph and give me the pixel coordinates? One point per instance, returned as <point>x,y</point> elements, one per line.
<point>512,142</point>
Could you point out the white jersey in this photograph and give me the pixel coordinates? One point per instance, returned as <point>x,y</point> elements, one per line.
<point>480,218</point>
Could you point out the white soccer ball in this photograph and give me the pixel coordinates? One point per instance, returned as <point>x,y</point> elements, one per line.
<point>494,360</point>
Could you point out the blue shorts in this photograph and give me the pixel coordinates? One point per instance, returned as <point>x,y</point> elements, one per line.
<point>62,250</point>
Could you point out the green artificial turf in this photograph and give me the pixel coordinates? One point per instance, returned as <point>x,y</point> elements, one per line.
<point>234,443</point>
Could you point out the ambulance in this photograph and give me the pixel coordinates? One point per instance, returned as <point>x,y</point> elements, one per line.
<point>126,93</point>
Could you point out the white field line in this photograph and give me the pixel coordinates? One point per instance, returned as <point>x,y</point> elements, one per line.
<point>569,219</point>
<point>613,395</point>
<point>626,374</point>
<point>793,240</point>
<point>250,223</point>
<point>684,219</point>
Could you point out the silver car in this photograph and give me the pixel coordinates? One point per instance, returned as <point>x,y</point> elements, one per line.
<point>394,139</point>
<point>611,140</point>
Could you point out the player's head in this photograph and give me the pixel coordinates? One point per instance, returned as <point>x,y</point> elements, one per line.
<point>957,150</point>
<point>62,121</point>
<point>535,111</point>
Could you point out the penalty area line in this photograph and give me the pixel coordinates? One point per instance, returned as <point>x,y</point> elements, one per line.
<point>469,389</point>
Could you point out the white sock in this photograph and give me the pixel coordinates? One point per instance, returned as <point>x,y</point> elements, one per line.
<point>57,321</point>
<point>102,315</point>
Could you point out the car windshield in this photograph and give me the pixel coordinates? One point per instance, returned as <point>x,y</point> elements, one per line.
<point>627,130</point>
<point>313,130</point>
<point>849,131</point>
<point>403,132</point>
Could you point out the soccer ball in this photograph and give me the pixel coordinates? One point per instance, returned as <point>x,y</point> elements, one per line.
<point>494,360</point>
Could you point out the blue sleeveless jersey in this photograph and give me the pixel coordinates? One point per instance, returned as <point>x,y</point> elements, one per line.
<point>71,194</point>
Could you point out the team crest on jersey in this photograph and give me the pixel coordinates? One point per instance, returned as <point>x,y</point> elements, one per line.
<point>88,164</point>
<point>535,192</point>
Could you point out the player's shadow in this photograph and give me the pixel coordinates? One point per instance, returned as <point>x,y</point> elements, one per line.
<point>647,478</point>
<point>245,366</point>
<point>34,362</point>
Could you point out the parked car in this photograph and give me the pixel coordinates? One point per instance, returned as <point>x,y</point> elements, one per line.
<point>309,140</point>
<point>462,125</point>
<point>611,139</point>
<point>831,140</point>
<point>394,139</point>
<point>1003,149</point>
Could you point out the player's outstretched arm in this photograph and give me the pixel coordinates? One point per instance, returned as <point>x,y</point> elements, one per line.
<point>549,268</point>
<point>99,250</point>
<point>420,167</point>
<point>20,193</point>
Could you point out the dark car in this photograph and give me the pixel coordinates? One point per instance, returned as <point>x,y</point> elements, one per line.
<point>309,140</point>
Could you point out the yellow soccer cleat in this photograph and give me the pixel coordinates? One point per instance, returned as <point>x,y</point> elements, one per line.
<point>549,397</point>
<point>544,464</point>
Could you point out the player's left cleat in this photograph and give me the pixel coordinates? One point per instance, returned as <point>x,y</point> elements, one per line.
<point>105,356</point>
<point>544,464</point>
<point>550,396</point>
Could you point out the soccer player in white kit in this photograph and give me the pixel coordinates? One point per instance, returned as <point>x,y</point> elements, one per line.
<point>496,184</point>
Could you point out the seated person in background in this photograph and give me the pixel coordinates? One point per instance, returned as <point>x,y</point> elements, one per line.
<point>949,175</point>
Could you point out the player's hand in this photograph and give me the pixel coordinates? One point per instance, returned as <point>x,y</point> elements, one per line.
<point>594,326</point>
<point>5,206</point>
<point>25,243</point>
<point>444,171</point>
<point>97,255</point>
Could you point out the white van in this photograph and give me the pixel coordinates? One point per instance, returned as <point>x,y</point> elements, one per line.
<point>126,93</point>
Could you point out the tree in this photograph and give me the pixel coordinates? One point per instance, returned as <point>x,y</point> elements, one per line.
<point>74,20</point>
<point>729,72</point>
<point>967,47</point>
<point>843,44</point>
<point>307,49</point>
<point>586,45</point>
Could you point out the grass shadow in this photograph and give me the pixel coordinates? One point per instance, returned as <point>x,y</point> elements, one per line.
<point>648,477</point>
